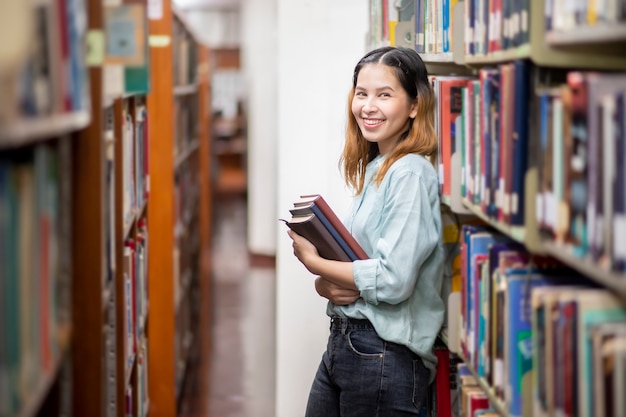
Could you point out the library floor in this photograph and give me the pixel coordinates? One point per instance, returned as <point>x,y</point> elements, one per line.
<point>235,376</point>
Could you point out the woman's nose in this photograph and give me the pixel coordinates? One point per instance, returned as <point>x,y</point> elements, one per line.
<point>369,105</point>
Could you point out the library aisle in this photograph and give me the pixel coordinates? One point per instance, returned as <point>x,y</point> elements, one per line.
<point>236,378</point>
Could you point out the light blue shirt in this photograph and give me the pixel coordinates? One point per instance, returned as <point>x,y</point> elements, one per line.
<point>398,224</point>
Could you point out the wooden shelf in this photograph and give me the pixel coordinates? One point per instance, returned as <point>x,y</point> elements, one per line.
<point>516,232</point>
<point>520,52</point>
<point>28,131</point>
<point>444,57</point>
<point>600,33</point>
<point>182,174</point>
<point>586,266</point>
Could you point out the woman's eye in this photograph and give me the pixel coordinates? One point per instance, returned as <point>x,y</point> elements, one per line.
<point>361,94</point>
<point>385,95</point>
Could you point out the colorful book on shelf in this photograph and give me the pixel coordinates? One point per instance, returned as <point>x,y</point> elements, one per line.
<point>576,168</point>
<point>442,384</point>
<point>614,365</point>
<point>618,255</point>
<point>593,307</point>
<point>313,218</point>
<point>450,106</point>
<point>518,338</point>
<point>548,340</point>
<point>598,86</point>
<point>420,6</point>
<point>603,338</point>
<point>506,141</point>
<point>520,139</point>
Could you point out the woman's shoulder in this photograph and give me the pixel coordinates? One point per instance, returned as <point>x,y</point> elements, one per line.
<point>415,163</point>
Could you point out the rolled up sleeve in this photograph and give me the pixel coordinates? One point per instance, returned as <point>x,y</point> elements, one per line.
<point>397,256</point>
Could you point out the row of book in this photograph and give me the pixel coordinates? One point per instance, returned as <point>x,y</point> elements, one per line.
<point>135,173</point>
<point>485,120</point>
<point>456,391</point>
<point>428,26</point>
<point>135,275</point>
<point>187,248</point>
<point>110,356</point>
<point>137,400</point>
<point>186,131</point>
<point>570,15</point>
<point>185,57</point>
<point>51,78</point>
<point>582,149</point>
<point>540,335</point>
<point>495,25</point>
<point>573,126</point>
<point>35,268</point>
<point>424,25</point>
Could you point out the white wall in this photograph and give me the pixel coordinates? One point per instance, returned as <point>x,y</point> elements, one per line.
<point>259,52</point>
<point>319,42</point>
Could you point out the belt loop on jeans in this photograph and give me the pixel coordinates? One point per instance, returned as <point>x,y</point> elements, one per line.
<point>340,323</point>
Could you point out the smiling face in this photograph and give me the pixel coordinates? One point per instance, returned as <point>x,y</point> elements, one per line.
<point>381,106</point>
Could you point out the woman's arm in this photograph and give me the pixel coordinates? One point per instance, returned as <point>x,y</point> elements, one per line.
<point>337,295</point>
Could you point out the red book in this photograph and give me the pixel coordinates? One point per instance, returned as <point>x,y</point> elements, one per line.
<point>442,382</point>
<point>451,104</point>
<point>477,401</point>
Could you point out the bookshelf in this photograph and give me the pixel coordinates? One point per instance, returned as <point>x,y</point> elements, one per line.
<point>84,283</point>
<point>38,130</point>
<point>180,211</point>
<point>111,182</point>
<point>555,44</point>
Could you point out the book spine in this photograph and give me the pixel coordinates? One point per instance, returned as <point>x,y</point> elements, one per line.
<point>346,248</point>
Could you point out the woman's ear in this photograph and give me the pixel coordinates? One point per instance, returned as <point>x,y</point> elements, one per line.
<point>413,112</point>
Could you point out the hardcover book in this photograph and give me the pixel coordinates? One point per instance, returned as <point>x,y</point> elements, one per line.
<point>313,218</point>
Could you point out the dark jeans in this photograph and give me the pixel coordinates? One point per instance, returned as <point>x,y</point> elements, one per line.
<point>361,375</point>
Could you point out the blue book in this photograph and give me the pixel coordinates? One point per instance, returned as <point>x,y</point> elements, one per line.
<point>519,342</point>
<point>479,245</point>
<point>445,5</point>
<point>520,139</point>
<point>420,45</point>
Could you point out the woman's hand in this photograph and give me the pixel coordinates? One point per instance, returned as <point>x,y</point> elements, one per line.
<point>304,250</point>
<point>337,295</point>
<point>337,272</point>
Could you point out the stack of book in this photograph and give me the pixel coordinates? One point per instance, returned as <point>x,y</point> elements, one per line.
<point>312,218</point>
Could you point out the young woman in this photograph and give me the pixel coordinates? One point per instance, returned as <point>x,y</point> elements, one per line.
<point>386,310</point>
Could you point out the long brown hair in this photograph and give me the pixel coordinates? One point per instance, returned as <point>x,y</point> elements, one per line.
<point>420,137</point>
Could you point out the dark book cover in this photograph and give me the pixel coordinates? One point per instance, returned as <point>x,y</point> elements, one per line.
<point>520,140</point>
<point>310,227</point>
